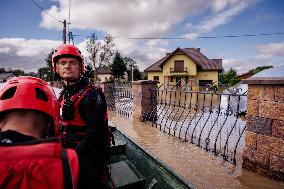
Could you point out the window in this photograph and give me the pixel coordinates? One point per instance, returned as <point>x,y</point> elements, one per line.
<point>179,66</point>
<point>171,79</point>
<point>156,78</point>
<point>186,79</point>
<point>178,80</point>
<point>204,82</point>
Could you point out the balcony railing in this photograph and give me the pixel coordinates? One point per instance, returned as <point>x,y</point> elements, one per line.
<point>173,70</point>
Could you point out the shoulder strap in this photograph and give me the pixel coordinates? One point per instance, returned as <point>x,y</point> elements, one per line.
<point>81,94</point>
<point>68,181</point>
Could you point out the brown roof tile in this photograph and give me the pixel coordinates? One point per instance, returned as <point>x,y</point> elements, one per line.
<point>203,63</point>
<point>103,70</point>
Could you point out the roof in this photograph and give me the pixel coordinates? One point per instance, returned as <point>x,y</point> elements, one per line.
<point>156,66</point>
<point>244,75</point>
<point>103,70</point>
<point>202,62</point>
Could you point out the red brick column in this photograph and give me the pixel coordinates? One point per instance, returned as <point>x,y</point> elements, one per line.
<point>142,95</point>
<point>264,135</point>
<point>107,88</point>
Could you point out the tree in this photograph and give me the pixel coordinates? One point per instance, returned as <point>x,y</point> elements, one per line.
<point>137,75</point>
<point>2,70</point>
<point>129,62</point>
<point>50,76</point>
<point>89,72</point>
<point>259,69</point>
<point>228,78</point>
<point>18,72</point>
<point>44,73</point>
<point>100,53</point>
<point>118,67</point>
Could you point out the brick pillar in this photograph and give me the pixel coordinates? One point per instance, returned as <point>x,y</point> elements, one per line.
<point>264,135</point>
<point>107,88</point>
<point>142,97</point>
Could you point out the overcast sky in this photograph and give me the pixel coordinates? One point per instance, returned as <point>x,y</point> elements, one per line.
<point>28,34</point>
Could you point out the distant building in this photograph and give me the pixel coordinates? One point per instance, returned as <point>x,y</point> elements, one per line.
<point>184,64</point>
<point>103,74</point>
<point>6,76</point>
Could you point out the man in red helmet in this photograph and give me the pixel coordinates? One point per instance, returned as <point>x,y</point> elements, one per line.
<point>29,158</point>
<point>83,123</point>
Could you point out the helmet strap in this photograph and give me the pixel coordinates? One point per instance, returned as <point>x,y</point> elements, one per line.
<point>50,129</point>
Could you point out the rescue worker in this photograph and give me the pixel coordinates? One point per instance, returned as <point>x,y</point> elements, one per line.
<point>29,158</point>
<point>84,122</point>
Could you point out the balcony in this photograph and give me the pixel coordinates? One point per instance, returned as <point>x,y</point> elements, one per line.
<point>174,71</point>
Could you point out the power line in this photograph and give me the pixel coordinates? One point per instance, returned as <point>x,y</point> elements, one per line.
<point>45,11</point>
<point>201,37</point>
<point>186,38</point>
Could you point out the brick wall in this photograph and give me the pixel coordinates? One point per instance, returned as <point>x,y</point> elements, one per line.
<point>264,137</point>
<point>142,97</point>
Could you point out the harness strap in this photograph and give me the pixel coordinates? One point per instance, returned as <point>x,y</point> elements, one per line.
<point>72,129</point>
<point>67,176</point>
<point>80,94</point>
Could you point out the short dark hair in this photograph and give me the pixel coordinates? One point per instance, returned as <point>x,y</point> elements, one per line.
<point>41,121</point>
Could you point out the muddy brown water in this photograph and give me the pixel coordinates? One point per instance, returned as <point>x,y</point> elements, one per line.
<point>199,167</point>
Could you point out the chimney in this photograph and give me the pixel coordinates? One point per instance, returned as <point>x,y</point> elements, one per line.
<point>198,49</point>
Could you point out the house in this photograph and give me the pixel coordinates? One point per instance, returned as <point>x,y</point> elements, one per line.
<point>5,76</point>
<point>244,76</point>
<point>184,65</point>
<point>103,74</point>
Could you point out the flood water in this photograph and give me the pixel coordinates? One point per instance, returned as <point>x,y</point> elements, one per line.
<point>202,169</point>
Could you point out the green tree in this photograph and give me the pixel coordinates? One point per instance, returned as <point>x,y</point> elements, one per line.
<point>44,73</point>
<point>118,66</point>
<point>100,53</point>
<point>89,72</point>
<point>129,64</point>
<point>228,78</point>
<point>49,72</point>
<point>18,72</point>
<point>259,69</point>
<point>137,75</point>
<point>2,70</point>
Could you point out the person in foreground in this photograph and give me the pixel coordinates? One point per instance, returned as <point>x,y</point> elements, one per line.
<point>84,122</point>
<point>30,156</point>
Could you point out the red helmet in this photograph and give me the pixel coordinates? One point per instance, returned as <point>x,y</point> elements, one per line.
<point>69,51</point>
<point>32,93</point>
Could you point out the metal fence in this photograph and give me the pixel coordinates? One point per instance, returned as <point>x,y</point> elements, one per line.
<point>214,121</point>
<point>120,99</point>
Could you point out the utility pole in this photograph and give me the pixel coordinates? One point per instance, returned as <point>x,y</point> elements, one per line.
<point>64,32</point>
<point>132,72</point>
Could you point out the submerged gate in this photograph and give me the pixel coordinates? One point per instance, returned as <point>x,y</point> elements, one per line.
<point>214,121</point>
<point>119,98</point>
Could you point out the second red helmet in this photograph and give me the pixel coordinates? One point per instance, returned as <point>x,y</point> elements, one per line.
<point>67,50</point>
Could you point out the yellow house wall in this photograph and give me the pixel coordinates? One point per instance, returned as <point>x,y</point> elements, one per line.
<point>207,75</point>
<point>152,74</point>
<point>191,66</point>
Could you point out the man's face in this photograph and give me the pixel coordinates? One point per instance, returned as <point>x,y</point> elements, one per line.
<point>68,68</point>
